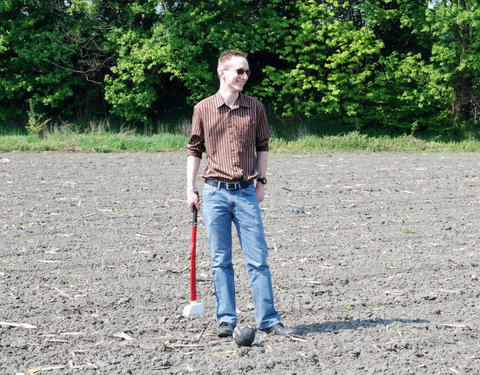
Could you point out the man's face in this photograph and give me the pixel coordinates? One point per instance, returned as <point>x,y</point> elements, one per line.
<point>230,73</point>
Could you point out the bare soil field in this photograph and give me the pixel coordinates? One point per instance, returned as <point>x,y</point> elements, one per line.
<point>374,257</point>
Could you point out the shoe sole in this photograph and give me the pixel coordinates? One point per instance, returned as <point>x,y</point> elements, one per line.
<point>225,332</point>
<point>273,332</point>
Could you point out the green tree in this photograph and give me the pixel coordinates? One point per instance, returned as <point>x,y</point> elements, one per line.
<point>195,32</point>
<point>182,46</point>
<point>139,85</point>
<point>455,27</point>
<point>49,57</point>
<point>326,64</point>
<point>363,63</point>
<point>394,64</point>
<point>408,92</point>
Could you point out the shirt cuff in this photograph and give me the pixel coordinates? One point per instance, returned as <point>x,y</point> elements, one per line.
<point>195,153</point>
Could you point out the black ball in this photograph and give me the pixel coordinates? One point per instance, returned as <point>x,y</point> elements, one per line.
<point>243,335</point>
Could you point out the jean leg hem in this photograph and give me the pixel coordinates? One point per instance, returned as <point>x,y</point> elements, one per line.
<point>269,324</point>
<point>232,322</point>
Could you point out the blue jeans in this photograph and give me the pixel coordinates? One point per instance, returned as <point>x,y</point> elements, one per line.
<point>222,207</point>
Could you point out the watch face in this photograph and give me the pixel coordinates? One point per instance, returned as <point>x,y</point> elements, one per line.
<point>262,180</point>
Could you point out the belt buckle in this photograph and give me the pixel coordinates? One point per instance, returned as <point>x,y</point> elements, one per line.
<point>229,184</point>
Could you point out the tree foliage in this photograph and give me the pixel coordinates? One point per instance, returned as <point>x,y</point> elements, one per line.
<point>48,58</point>
<point>394,64</point>
<point>327,64</point>
<point>455,29</point>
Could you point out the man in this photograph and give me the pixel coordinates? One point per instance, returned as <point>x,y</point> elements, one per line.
<point>233,130</point>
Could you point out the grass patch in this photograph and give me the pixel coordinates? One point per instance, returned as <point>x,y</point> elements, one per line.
<point>101,137</point>
<point>94,142</point>
<point>94,137</point>
<point>355,141</point>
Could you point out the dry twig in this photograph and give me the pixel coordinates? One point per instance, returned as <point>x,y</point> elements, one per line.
<point>463,326</point>
<point>178,271</point>
<point>297,338</point>
<point>62,293</point>
<point>123,335</point>
<point>473,357</point>
<point>41,369</point>
<point>18,325</point>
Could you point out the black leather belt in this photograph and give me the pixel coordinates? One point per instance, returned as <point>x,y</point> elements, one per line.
<point>229,185</point>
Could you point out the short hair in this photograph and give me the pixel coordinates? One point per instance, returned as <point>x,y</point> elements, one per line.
<point>227,55</point>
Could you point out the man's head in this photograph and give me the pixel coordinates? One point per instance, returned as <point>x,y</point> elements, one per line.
<point>227,55</point>
<point>233,70</point>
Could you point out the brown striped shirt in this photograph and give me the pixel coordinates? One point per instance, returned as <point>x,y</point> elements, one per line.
<point>229,136</point>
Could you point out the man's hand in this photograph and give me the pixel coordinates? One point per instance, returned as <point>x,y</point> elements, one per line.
<point>262,161</point>
<point>260,189</point>
<point>193,200</point>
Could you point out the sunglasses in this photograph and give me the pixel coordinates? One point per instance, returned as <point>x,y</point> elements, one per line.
<point>241,72</point>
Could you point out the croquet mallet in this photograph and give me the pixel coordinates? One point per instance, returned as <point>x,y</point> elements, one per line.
<point>194,308</point>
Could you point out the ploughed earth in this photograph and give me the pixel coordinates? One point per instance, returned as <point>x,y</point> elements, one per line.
<point>374,258</point>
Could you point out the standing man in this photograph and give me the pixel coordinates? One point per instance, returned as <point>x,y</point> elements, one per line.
<point>232,128</point>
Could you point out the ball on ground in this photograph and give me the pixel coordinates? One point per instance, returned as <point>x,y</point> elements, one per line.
<point>243,335</point>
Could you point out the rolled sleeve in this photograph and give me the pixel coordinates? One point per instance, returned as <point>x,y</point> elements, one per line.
<point>196,144</point>
<point>263,130</point>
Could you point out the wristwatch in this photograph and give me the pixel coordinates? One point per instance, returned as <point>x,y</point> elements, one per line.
<point>262,180</point>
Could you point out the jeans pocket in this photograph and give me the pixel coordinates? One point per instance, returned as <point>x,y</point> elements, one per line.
<point>209,190</point>
<point>250,190</point>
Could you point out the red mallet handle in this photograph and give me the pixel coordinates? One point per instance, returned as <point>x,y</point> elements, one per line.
<point>193,275</point>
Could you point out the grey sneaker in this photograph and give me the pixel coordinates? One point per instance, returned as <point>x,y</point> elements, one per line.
<point>279,329</point>
<point>225,329</point>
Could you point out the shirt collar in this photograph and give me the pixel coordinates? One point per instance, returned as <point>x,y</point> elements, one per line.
<point>242,100</point>
<point>219,100</point>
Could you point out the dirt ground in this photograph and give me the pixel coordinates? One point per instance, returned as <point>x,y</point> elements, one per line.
<point>374,257</point>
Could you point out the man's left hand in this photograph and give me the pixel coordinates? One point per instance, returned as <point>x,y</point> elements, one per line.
<point>260,189</point>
